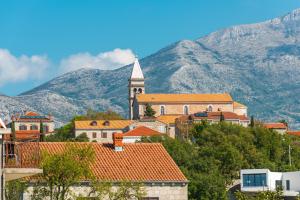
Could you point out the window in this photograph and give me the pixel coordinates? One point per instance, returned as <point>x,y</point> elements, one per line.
<point>94,135</point>
<point>210,108</point>
<point>106,123</point>
<point>162,110</point>
<point>254,180</point>
<point>185,110</point>
<point>93,123</point>
<point>140,90</point>
<point>104,135</point>
<point>287,185</point>
<point>34,127</point>
<point>278,183</point>
<point>46,129</point>
<point>23,127</point>
<point>134,90</point>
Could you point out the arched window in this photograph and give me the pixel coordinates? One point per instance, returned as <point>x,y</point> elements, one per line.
<point>106,123</point>
<point>134,90</point>
<point>140,90</point>
<point>162,110</point>
<point>34,127</point>
<point>23,127</point>
<point>93,123</point>
<point>185,110</point>
<point>210,108</point>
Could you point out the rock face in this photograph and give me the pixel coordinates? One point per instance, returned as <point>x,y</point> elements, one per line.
<point>258,64</point>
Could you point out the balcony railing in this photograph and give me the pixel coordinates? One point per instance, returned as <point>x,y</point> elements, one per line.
<point>21,154</point>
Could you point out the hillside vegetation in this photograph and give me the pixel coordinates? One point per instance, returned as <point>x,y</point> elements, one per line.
<point>217,152</point>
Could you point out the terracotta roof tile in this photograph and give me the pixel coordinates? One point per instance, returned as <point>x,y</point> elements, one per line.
<point>147,162</point>
<point>100,124</point>
<point>238,105</point>
<point>297,133</point>
<point>31,113</point>
<point>141,131</point>
<point>168,119</point>
<point>227,116</point>
<point>155,98</point>
<point>275,125</point>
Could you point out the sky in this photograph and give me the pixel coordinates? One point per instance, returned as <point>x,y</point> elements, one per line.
<point>40,40</point>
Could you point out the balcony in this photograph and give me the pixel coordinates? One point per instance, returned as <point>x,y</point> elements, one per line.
<point>21,159</point>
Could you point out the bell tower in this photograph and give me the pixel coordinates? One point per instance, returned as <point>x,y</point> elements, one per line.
<point>136,85</point>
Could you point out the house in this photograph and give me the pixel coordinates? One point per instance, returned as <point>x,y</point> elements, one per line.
<point>11,166</point>
<point>148,163</point>
<point>27,126</point>
<point>136,134</point>
<point>277,126</point>
<point>296,133</point>
<point>258,180</point>
<point>101,130</point>
<point>170,121</point>
<point>150,122</point>
<point>175,104</point>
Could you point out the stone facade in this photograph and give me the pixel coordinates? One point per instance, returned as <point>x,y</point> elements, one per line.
<point>160,191</point>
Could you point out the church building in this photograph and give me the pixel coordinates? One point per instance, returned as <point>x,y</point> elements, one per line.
<point>176,104</point>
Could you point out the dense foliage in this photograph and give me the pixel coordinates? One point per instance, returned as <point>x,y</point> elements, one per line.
<point>66,132</point>
<point>213,156</point>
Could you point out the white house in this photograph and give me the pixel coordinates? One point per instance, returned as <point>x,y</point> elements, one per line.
<point>258,180</point>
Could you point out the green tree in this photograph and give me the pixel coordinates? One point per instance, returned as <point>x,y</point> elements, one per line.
<point>15,189</point>
<point>42,132</point>
<point>149,112</point>
<point>62,170</point>
<point>252,122</point>
<point>82,138</point>
<point>13,131</point>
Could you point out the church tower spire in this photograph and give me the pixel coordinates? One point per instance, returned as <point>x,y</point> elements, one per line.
<point>136,85</point>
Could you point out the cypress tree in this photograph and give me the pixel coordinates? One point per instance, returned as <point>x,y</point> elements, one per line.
<point>149,112</point>
<point>42,134</point>
<point>13,131</point>
<point>252,121</point>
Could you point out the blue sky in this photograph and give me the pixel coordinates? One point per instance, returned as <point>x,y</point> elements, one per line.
<point>42,39</point>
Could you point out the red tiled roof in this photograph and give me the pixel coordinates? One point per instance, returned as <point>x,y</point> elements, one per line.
<point>30,113</point>
<point>141,131</point>
<point>25,135</point>
<point>275,125</point>
<point>147,162</point>
<point>297,133</point>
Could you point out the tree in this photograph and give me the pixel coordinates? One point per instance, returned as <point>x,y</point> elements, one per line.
<point>15,189</point>
<point>149,112</point>
<point>252,122</point>
<point>62,170</point>
<point>82,138</point>
<point>42,132</point>
<point>265,195</point>
<point>13,131</point>
<point>222,118</point>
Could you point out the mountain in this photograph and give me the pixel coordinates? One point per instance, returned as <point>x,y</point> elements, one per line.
<point>258,64</point>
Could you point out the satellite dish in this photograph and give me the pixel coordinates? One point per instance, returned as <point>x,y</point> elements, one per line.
<point>2,124</point>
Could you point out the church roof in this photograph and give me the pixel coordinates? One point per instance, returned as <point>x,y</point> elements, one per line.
<point>136,70</point>
<point>182,98</point>
<point>238,105</point>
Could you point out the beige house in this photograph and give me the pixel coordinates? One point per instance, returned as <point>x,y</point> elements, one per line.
<point>176,104</point>
<point>148,163</point>
<point>101,130</point>
<point>277,126</point>
<point>28,125</point>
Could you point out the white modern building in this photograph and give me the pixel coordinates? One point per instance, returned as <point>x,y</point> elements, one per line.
<point>258,180</point>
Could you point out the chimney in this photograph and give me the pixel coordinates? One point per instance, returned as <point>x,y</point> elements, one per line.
<point>118,141</point>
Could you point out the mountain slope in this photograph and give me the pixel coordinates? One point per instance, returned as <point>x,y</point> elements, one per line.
<point>258,64</point>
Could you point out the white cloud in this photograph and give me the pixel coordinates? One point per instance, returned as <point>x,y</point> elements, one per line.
<point>15,69</point>
<point>106,61</point>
